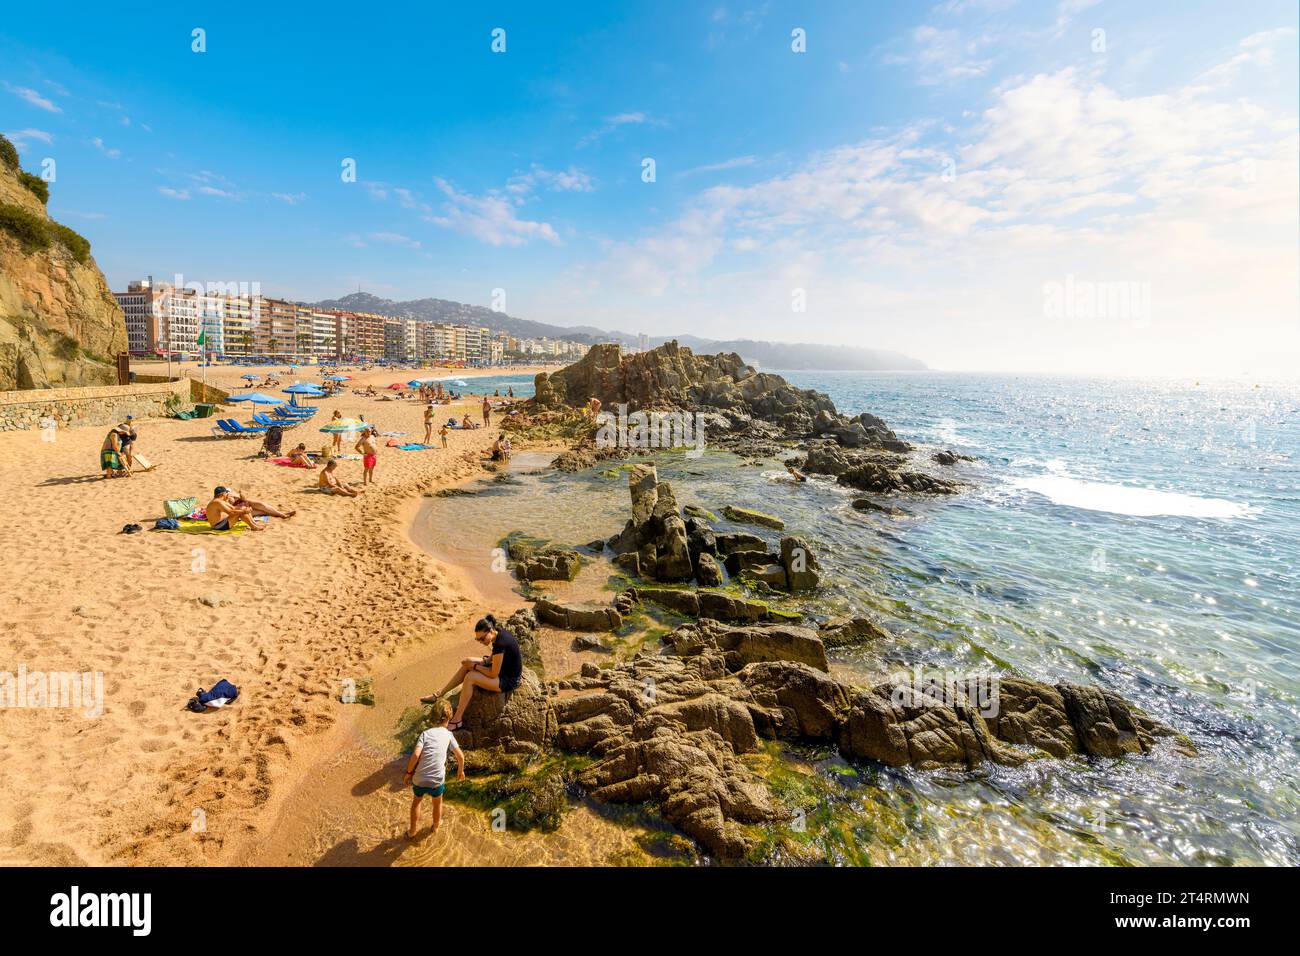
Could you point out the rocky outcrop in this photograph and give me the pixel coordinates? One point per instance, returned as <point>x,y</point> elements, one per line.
<point>882,474</point>
<point>59,324</point>
<point>750,410</point>
<point>671,729</point>
<point>850,631</point>
<point>578,616</point>
<point>533,563</point>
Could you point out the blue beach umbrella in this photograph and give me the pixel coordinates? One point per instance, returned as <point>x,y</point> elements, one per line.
<point>304,388</point>
<point>249,378</point>
<point>337,378</point>
<point>258,398</point>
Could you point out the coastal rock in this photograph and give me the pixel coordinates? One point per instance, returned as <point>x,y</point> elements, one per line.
<point>799,563</point>
<point>743,409</point>
<point>515,721</point>
<point>707,571</point>
<point>670,729</point>
<point>545,564</point>
<point>748,645</point>
<point>732,541</point>
<point>738,561</point>
<point>948,457</point>
<point>750,516</point>
<point>880,479</point>
<point>577,617</point>
<point>523,625</point>
<point>850,631</point>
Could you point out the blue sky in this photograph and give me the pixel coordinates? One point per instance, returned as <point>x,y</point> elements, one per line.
<point>921,178</point>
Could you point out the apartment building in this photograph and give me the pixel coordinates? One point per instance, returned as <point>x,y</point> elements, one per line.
<point>161,318</point>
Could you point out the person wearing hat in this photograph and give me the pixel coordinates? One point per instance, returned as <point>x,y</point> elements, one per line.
<point>127,429</point>
<point>224,514</point>
<point>111,459</point>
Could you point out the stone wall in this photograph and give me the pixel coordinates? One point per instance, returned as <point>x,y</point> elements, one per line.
<point>92,405</point>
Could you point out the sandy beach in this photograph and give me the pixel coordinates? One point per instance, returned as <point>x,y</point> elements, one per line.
<point>287,615</point>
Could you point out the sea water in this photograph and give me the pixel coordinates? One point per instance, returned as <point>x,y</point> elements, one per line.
<point>1135,535</point>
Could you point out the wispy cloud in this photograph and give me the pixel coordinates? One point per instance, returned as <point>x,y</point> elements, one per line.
<point>564,180</point>
<point>110,152</point>
<point>171,193</point>
<point>491,218</point>
<point>617,121</point>
<point>22,137</point>
<point>738,162</point>
<point>31,96</point>
<point>291,199</point>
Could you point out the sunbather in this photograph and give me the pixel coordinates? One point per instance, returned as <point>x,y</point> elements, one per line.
<point>224,515</point>
<point>260,507</point>
<point>331,484</point>
<point>299,458</point>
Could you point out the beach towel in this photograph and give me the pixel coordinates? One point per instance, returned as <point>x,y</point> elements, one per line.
<point>286,462</point>
<point>110,459</point>
<point>416,446</point>
<point>193,526</point>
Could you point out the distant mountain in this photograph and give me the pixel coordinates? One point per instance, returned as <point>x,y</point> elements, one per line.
<point>774,355</point>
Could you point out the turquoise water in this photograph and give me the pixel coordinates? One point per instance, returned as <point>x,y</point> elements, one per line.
<point>1136,535</point>
<point>487,384</point>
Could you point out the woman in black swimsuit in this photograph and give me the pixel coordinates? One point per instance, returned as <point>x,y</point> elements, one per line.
<point>500,671</point>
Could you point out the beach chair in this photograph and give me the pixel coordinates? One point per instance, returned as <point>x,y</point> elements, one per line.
<point>268,422</point>
<point>232,427</point>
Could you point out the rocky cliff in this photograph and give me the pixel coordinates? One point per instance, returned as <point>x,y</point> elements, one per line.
<point>59,324</point>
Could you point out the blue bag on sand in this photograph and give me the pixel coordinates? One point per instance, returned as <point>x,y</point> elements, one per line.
<point>222,688</point>
<point>166,524</point>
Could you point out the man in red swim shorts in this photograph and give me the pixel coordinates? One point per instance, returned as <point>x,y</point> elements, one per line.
<point>369,452</point>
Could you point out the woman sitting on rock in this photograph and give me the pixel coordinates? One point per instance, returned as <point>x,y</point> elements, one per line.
<point>499,671</point>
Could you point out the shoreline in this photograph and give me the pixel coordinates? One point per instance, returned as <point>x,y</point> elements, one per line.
<point>338,589</point>
<point>349,786</point>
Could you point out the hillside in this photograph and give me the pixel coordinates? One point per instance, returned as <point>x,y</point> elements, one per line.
<point>59,324</point>
<point>778,355</point>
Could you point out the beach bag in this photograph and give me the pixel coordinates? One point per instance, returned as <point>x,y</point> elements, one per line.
<point>166,524</point>
<point>180,507</point>
<point>221,689</point>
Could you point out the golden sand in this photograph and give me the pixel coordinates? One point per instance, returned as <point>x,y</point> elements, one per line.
<point>334,592</point>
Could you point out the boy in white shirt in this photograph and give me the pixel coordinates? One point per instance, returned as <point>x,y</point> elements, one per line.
<point>426,771</point>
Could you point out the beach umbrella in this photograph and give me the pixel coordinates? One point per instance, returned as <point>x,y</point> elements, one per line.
<point>338,378</point>
<point>399,385</point>
<point>249,378</point>
<point>257,398</point>
<point>344,425</point>
<point>304,388</point>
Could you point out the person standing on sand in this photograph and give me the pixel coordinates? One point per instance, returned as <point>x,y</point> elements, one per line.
<point>500,671</point>
<point>487,410</point>
<point>338,436</point>
<point>428,423</point>
<point>367,448</point>
<point>442,433</point>
<point>426,771</point>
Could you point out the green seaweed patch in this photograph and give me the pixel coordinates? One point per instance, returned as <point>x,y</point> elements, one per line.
<point>696,511</point>
<point>534,798</point>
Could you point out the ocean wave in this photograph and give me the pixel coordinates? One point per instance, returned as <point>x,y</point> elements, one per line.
<point>1070,492</point>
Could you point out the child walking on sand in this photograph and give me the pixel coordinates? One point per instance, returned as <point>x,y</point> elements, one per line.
<point>426,771</point>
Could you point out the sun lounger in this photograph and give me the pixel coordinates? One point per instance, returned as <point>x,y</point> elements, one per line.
<point>278,422</point>
<point>232,427</point>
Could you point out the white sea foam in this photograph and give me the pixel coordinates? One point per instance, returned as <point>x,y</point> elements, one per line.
<point>1127,500</point>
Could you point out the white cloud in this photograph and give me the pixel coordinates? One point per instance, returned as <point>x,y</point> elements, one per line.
<point>110,152</point>
<point>1060,175</point>
<point>34,98</point>
<point>393,239</point>
<point>174,193</point>
<point>566,180</point>
<point>291,199</point>
<point>618,120</point>
<point>490,218</point>
<point>22,137</point>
